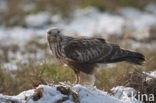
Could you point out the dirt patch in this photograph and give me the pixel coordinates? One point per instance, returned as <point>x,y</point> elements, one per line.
<point>68,91</point>
<point>38,94</point>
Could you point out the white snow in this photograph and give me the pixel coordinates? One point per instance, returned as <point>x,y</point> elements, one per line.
<point>139,21</point>
<point>19,35</point>
<point>10,66</point>
<point>86,94</point>
<point>151,75</point>
<point>19,98</point>
<point>28,7</point>
<point>3,6</point>
<point>56,18</point>
<point>141,45</point>
<point>37,20</point>
<point>151,8</point>
<point>126,94</point>
<point>90,21</point>
<point>93,95</point>
<point>86,22</point>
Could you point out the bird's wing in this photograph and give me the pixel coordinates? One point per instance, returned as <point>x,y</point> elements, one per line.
<point>87,50</point>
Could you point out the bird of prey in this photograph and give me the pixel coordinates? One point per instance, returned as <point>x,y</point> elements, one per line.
<point>83,54</point>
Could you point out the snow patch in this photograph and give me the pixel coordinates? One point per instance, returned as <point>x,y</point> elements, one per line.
<point>151,74</point>
<point>142,25</point>
<point>90,21</point>
<point>37,20</point>
<point>151,8</point>
<point>126,94</point>
<point>19,35</point>
<point>86,94</point>
<point>3,6</point>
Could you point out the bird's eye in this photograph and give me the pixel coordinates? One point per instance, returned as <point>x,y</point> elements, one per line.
<point>58,32</point>
<point>49,32</point>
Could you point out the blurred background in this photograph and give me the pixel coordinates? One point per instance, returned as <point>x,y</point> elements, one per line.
<point>26,61</point>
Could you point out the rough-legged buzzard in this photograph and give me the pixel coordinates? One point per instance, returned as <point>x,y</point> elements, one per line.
<point>83,54</point>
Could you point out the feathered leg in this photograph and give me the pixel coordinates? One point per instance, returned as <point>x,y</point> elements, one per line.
<point>86,79</point>
<point>77,78</point>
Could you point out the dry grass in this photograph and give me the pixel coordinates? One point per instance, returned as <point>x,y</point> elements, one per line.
<point>33,75</point>
<point>137,80</point>
<point>42,72</point>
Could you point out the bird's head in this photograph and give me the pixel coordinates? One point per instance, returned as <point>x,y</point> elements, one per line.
<point>54,34</point>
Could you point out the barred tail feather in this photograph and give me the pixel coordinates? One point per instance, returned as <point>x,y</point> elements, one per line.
<point>135,58</point>
<point>128,56</point>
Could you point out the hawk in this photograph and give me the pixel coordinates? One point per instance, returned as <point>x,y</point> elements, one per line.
<point>83,54</point>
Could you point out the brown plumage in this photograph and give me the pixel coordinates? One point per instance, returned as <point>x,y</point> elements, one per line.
<point>83,54</point>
